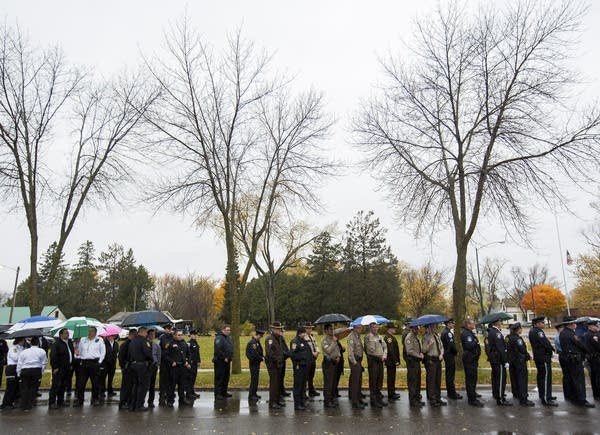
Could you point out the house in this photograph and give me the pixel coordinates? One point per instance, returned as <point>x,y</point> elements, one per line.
<point>19,313</point>
<point>53,311</point>
<point>117,318</point>
<point>509,308</point>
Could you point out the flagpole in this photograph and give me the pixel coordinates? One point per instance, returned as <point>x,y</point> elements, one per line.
<point>562,265</point>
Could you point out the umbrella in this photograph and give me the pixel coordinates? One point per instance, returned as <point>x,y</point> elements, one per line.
<point>428,319</point>
<point>342,332</point>
<point>110,330</point>
<point>145,318</point>
<point>25,333</point>
<point>368,319</point>
<point>332,318</point>
<point>78,326</point>
<point>494,317</point>
<point>35,322</point>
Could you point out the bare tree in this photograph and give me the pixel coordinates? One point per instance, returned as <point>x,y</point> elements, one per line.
<point>230,132</point>
<point>476,121</point>
<point>487,291</point>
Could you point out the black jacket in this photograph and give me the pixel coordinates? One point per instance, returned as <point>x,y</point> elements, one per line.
<point>254,351</point>
<point>194,351</point>
<point>223,348</point>
<point>112,353</point>
<point>516,349</point>
<point>124,354</point>
<point>59,354</point>
<point>540,345</point>
<point>300,352</point>
<point>497,348</point>
<point>471,347</point>
<point>571,344</point>
<point>140,350</point>
<point>178,353</point>
<point>447,338</point>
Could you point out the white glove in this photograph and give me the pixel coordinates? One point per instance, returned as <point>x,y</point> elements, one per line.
<point>506,365</point>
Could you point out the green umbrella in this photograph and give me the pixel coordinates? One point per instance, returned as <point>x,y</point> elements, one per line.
<point>494,317</point>
<point>78,326</point>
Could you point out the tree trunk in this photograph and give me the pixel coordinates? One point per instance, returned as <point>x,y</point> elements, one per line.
<point>459,292</point>
<point>233,289</point>
<point>33,277</point>
<point>270,282</point>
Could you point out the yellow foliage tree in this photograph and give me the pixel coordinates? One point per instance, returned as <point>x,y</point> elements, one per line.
<point>219,299</point>
<point>423,291</point>
<point>587,291</point>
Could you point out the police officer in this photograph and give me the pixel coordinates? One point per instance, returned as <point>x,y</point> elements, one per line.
<point>194,362</point>
<point>223,354</point>
<point>392,361</point>
<point>376,351</point>
<point>312,343</point>
<point>517,358</point>
<point>30,367</point>
<point>331,358</point>
<point>433,351</point>
<point>591,340</point>
<point>153,366</point>
<point>413,354</point>
<point>91,352</point>
<point>572,355</point>
<point>498,359</point>
<point>61,359</point>
<point>470,359</point>
<point>164,380</point>
<point>542,356</point>
<point>178,355</point>
<point>450,352</point>
<point>274,360</point>
<point>126,397</point>
<point>355,356</point>
<point>109,366</point>
<point>301,355</point>
<point>140,358</point>
<point>286,355</point>
<point>255,355</point>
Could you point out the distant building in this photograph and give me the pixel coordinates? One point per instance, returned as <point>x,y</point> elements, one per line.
<point>117,318</point>
<point>508,307</point>
<point>53,311</point>
<point>19,314</point>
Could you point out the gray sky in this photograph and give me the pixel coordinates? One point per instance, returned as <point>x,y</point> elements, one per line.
<point>332,46</point>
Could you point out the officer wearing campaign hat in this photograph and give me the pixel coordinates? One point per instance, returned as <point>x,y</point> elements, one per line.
<point>517,359</point>
<point>571,359</point>
<point>312,366</point>
<point>275,360</point>
<point>591,339</point>
<point>542,356</point>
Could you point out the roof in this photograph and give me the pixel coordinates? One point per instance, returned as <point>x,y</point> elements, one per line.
<point>118,317</point>
<point>19,314</point>
<point>48,309</point>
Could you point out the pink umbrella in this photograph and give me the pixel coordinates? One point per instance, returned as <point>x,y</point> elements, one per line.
<point>110,330</point>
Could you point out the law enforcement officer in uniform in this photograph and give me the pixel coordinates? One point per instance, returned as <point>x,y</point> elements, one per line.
<point>91,352</point>
<point>61,359</point>
<point>164,379</point>
<point>413,354</point>
<point>542,356</point>
<point>331,358</point>
<point>392,361</point>
<point>355,356</point>
<point>194,362</point>
<point>470,359</point>
<point>591,339</point>
<point>517,358</point>
<point>376,351</point>
<point>178,356</point>
<point>126,396</point>
<point>572,355</point>
<point>223,354</point>
<point>153,367</point>
<point>286,355</point>
<point>450,352</point>
<point>274,360</point>
<point>433,351</point>
<point>255,355</point>
<point>301,355</point>
<point>140,358</point>
<point>498,359</point>
<point>312,392</point>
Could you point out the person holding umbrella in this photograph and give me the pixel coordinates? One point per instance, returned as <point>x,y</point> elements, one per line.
<point>331,358</point>
<point>498,359</point>
<point>61,360</point>
<point>376,351</point>
<point>433,351</point>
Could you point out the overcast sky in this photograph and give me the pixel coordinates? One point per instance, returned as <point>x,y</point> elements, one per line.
<point>332,46</point>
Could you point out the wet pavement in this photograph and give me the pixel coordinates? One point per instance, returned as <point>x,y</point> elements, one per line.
<point>237,416</point>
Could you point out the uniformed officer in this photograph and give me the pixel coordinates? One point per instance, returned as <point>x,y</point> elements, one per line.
<point>194,362</point>
<point>223,354</point>
<point>301,355</point>
<point>392,361</point>
<point>450,352</point>
<point>566,384</point>
<point>572,356</point>
<point>61,359</point>
<point>355,356</point>
<point>153,366</point>
<point>126,396</point>
<point>312,343</point>
<point>498,359</point>
<point>413,354</point>
<point>517,358</point>
<point>254,353</point>
<point>12,378</point>
<point>470,359</point>
<point>286,355</point>
<point>376,352</point>
<point>178,355</point>
<point>30,367</point>
<point>331,358</point>
<point>164,379</point>
<point>542,356</point>
<point>140,358</point>
<point>433,351</point>
<point>591,340</point>
<point>274,360</point>
<point>91,352</point>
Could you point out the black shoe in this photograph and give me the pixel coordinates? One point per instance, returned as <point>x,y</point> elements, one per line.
<point>442,403</point>
<point>364,403</point>
<point>274,406</point>
<point>376,405</point>
<point>281,403</point>
<point>476,403</point>
<point>228,395</point>
<point>142,409</point>
<point>112,394</point>
<point>527,403</point>
<point>549,403</point>
<point>435,404</point>
<point>150,405</point>
<point>553,398</point>
<point>95,402</point>
<point>314,393</point>
<point>77,404</point>
<point>162,403</point>
<point>253,397</point>
<point>286,394</point>
<point>479,396</point>
<point>121,407</point>
<point>416,405</point>
<point>362,395</point>
<point>219,397</point>
<point>394,397</point>
<point>357,406</point>
<point>587,404</point>
<point>8,408</point>
<point>299,408</point>
<point>170,404</point>
<point>503,402</point>
<point>455,397</point>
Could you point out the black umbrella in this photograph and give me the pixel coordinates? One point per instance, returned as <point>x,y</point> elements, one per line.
<point>145,318</point>
<point>494,317</point>
<point>25,333</point>
<point>332,318</point>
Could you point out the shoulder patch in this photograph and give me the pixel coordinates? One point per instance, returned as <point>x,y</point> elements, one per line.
<point>450,335</point>
<point>541,334</point>
<point>254,346</point>
<point>469,339</point>
<point>498,335</point>
<point>294,346</point>
<point>389,340</point>
<point>270,341</point>
<point>520,342</point>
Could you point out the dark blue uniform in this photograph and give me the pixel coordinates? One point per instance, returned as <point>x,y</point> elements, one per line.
<point>193,370</point>
<point>301,355</point>
<point>592,343</point>
<point>572,356</point>
<point>497,357</point>
<point>255,355</point>
<point>178,355</point>
<point>517,359</point>
<point>164,381</point>
<point>140,358</point>
<point>542,356</point>
<point>223,354</point>
<point>126,399</point>
<point>470,359</point>
<point>450,352</point>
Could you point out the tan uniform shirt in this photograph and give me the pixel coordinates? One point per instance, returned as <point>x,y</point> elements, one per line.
<point>331,350</point>
<point>375,346</point>
<point>432,345</point>
<point>412,345</point>
<point>312,343</point>
<point>355,348</point>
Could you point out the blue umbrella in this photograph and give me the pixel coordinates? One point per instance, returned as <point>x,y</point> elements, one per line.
<point>145,318</point>
<point>428,319</point>
<point>378,319</point>
<point>35,322</point>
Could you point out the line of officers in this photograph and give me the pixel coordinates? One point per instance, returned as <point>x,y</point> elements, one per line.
<point>382,354</point>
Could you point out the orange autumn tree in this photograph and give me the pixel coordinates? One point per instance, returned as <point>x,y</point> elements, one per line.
<point>545,299</point>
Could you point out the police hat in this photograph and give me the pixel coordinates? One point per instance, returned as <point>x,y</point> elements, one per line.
<point>450,320</point>
<point>391,325</point>
<point>568,320</point>
<point>300,330</point>
<point>538,319</point>
<point>193,332</point>
<point>277,325</point>
<point>308,325</point>
<point>515,326</point>
<point>260,332</point>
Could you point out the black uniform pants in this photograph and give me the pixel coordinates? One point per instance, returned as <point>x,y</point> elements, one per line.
<point>164,380</point>
<point>274,380</point>
<point>355,383</point>
<point>1,373</point>
<point>282,379</point>
<point>29,381</point>
<point>339,371</point>
<point>310,375</point>
<point>329,378</point>
<point>222,372</point>
<point>299,384</point>
<point>125,397</point>
<point>544,378</point>
<point>520,379</point>
<point>470,380</point>
<point>391,379</point>
<point>375,366</point>
<point>178,379</point>
<point>12,386</point>
<point>254,375</point>
<point>595,376</point>
<point>566,379</point>
<point>433,379</point>
<point>59,385</point>
<point>107,374</point>
<point>141,376</point>
<point>152,384</point>
<point>192,375</point>
<point>88,369</point>
<point>576,379</point>
<point>450,372</point>
<point>413,379</point>
<point>498,381</point>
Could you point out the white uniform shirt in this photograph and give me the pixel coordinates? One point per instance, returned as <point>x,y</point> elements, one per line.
<point>92,349</point>
<point>13,355</point>
<point>32,358</point>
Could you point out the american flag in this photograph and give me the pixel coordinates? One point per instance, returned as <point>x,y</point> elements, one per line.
<point>569,259</point>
